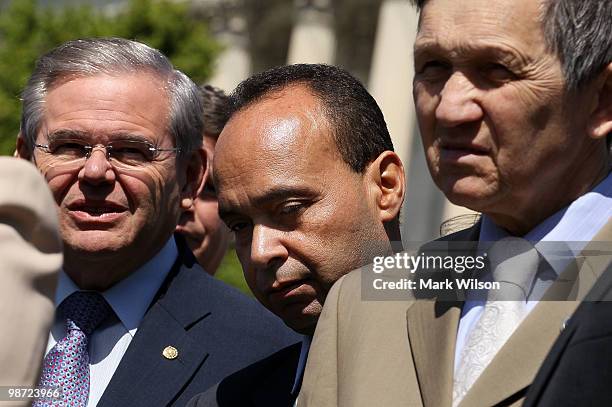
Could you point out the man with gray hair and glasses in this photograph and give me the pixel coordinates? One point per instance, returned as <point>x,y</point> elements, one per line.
<point>116,131</point>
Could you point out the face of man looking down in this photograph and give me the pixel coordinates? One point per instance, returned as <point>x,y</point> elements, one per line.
<point>302,218</point>
<point>499,131</point>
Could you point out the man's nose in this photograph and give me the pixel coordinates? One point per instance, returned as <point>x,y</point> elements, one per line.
<point>267,247</point>
<point>458,103</point>
<point>97,169</point>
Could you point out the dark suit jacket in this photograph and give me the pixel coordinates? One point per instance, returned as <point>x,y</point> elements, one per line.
<point>216,330</point>
<point>267,383</point>
<point>578,369</point>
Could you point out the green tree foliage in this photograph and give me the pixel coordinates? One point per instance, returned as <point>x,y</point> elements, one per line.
<point>230,271</point>
<point>28,30</point>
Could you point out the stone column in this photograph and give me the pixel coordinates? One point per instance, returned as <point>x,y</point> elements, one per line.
<point>391,85</point>
<point>313,39</point>
<point>229,26</point>
<point>392,72</point>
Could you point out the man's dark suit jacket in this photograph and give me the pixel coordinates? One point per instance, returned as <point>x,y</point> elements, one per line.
<point>578,369</point>
<point>216,330</point>
<point>267,383</point>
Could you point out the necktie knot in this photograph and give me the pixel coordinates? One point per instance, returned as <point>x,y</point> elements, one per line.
<point>514,263</point>
<point>85,310</point>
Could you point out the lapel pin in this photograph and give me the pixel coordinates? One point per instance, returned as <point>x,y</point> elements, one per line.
<point>564,324</point>
<point>170,352</point>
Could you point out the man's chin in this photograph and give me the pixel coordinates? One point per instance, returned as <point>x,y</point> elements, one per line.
<point>302,318</point>
<point>94,243</point>
<point>470,192</point>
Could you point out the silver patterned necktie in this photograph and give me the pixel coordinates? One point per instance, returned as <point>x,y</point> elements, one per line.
<point>67,364</point>
<point>514,262</point>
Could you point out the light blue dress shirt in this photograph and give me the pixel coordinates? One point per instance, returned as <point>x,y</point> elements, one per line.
<point>130,298</point>
<point>577,223</point>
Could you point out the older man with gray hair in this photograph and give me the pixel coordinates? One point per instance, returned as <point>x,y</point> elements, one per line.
<point>116,131</point>
<point>514,103</point>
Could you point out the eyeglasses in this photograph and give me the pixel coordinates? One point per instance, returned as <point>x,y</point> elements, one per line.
<point>129,154</point>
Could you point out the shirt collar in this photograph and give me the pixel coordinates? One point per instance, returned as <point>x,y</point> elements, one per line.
<point>575,225</point>
<point>130,297</point>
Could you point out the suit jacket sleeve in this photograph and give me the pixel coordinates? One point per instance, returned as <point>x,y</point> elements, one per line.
<point>30,256</point>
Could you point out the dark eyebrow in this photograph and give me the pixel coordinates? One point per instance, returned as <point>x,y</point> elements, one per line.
<point>273,195</point>
<point>429,48</point>
<point>131,137</point>
<point>66,133</point>
<point>82,135</point>
<point>282,192</point>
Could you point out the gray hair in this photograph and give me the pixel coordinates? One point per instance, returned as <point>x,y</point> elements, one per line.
<point>94,56</point>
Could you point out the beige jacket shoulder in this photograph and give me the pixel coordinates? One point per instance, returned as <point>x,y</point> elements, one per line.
<point>30,258</point>
<point>401,353</point>
<point>359,354</point>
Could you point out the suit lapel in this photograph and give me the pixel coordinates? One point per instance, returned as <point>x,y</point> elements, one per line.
<point>598,293</point>
<point>513,368</point>
<point>145,376</point>
<point>432,332</point>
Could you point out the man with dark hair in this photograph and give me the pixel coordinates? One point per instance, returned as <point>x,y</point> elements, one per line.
<point>514,103</point>
<point>308,181</point>
<point>116,131</point>
<point>205,233</point>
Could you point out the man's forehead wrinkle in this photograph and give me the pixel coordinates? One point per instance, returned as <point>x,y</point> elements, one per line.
<point>105,106</point>
<point>108,86</point>
<point>491,46</point>
<point>112,112</point>
<point>475,20</point>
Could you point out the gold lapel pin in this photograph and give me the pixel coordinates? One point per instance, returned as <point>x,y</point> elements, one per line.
<point>170,352</point>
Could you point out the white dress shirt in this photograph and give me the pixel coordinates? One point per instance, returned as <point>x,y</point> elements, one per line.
<point>576,224</point>
<point>129,299</point>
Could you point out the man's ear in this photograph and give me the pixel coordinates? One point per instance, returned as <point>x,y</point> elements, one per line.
<point>196,173</point>
<point>601,117</point>
<point>22,150</point>
<point>388,181</point>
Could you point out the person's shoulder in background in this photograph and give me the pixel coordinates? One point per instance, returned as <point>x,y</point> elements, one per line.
<point>30,259</point>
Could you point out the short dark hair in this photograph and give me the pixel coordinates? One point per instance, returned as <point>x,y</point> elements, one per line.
<point>215,105</point>
<point>357,124</point>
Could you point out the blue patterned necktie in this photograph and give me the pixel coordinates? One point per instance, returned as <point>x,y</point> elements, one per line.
<point>67,364</point>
